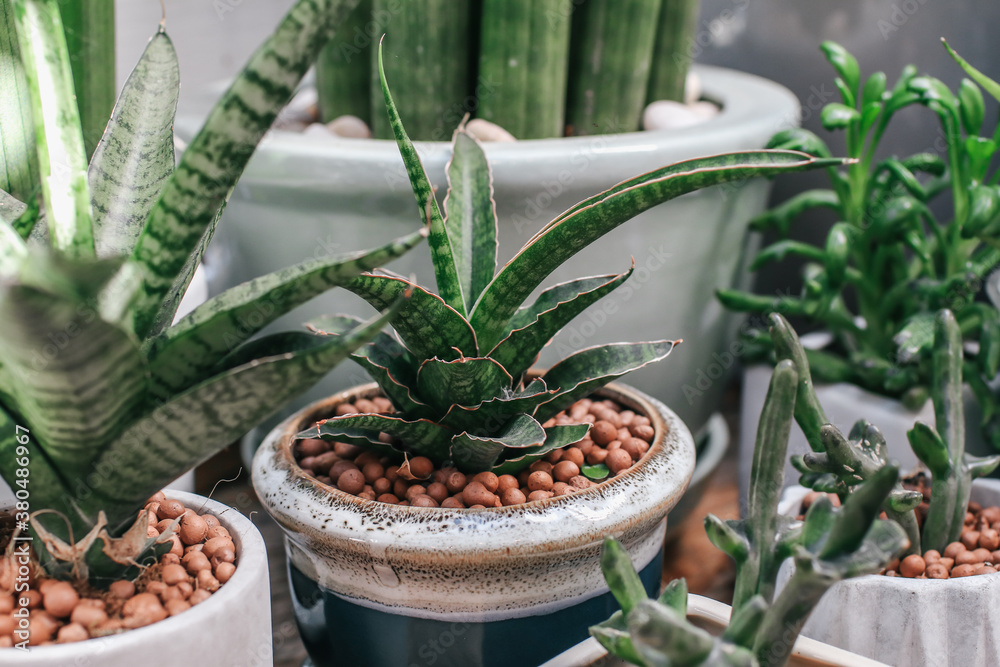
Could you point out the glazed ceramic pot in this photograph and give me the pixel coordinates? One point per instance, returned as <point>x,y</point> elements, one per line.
<point>713,616</point>
<point>387,586</point>
<point>231,628</point>
<point>307,195</point>
<point>912,622</point>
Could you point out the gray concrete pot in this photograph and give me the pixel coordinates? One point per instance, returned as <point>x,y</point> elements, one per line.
<point>304,196</point>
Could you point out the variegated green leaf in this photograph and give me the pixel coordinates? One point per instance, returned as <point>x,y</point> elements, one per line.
<point>18,157</point>
<point>426,324</point>
<point>62,160</point>
<point>465,381</point>
<point>443,254</point>
<point>194,425</point>
<point>590,220</point>
<point>421,436</point>
<point>181,221</point>
<point>12,250</point>
<point>497,410</point>
<point>135,157</point>
<point>552,297</point>
<point>556,437</point>
<point>474,453</point>
<point>75,378</point>
<point>470,216</point>
<point>583,373</point>
<point>520,348</point>
<point>186,352</point>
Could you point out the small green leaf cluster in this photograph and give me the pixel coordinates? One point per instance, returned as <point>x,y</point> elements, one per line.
<point>888,252</point>
<point>458,372</point>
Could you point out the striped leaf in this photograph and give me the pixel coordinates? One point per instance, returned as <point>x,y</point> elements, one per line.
<point>496,411</point>
<point>62,160</point>
<point>520,348</point>
<point>187,352</point>
<point>75,378</point>
<point>196,424</point>
<point>135,157</point>
<point>443,254</point>
<point>12,250</point>
<point>583,373</point>
<point>588,221</point>
<point>465,381</point>
<point>552,297</point>
<point>470,216</point>
<point>474,453</point>
<point>556,437</point>
<point>181,221</point>
<point>18,157</point>
<point>421,436</point>
<point>426,324</point>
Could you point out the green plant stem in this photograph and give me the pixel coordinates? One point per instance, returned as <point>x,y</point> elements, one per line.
<point>18,157</point>
<point>90,36</point>
<point>343,69</point>
<point>672,54</point>
<point>524,54</point>
<point>786,617</point>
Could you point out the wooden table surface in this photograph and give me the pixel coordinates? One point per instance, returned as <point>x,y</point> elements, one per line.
<point>708,571</point>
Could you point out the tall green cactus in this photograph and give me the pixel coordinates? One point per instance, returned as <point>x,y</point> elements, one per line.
<point>942,449</point>
<point>672,55</point>
<point>89,26</point>
<point>343,71</point>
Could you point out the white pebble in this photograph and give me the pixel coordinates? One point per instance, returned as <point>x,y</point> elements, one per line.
<point>704,109</point>
<point>484,130</point>
<point>349,127</point>
<point>692,88</point>
<point>669,115</point>
<point>316,129</point>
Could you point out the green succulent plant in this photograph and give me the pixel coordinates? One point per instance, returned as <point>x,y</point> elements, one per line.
<point>458,374</point>
<point>102,400</point>
<point>830,545</point>
<point>888,252</point>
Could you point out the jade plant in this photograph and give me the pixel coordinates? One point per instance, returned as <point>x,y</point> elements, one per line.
<point>458,373</point>
<point>527,65</point>
<point>102,399</point>
<point>829,545</point>
<point>890,263</point>
<point>839,465</point>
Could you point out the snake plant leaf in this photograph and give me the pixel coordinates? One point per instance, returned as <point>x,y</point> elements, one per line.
<point>76,378</point>
<point>556,437</point>
<point>781,216</point>
<point>443,253</point>
<point>521,347</point>
<point>552,297</point>
<point>498,410</point>
<point>186,353</point>
<point>591,219</point>
<point>182,220</point>
<point>988,84</point>
<point>421,436</point>
<point>426,324</point>
<point>583,373</point>
<point>135,156</point>
<point>472,452</point>
<point>62,159</point>
<point>194,425</point>
<point>464,381</point>
<point>124,557</point>
<point>470,216</point>
<point>66,555</point>
<point>18,156</point>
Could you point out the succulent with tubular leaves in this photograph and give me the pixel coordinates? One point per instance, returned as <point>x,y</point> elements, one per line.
<point>831,544</point>
<point>458,375</point>
<point>102,400</point>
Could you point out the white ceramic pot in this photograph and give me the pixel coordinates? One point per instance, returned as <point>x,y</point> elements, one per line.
<point>304,195</point>
<point>230,629</point>
<point>713,616</point>
<point>911,622</point>
<point>505,586</point>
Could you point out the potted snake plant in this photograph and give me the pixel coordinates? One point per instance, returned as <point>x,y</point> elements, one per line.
<point>103,400</point>
<point>464,496</point>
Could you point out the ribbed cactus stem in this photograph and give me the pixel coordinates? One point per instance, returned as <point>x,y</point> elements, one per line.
<point>427,59</point>
<point>766,483</point>
<point>808,412</point>
<point>610,57</point>
<point>344,67</point>
<point>524,56</point>
<point>673,52</point>
<point>90,36</point>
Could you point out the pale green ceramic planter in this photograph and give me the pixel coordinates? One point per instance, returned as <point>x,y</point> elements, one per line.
<point>306,195</point>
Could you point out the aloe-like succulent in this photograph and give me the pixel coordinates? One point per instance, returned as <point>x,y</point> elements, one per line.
<point>458,375</point>
<point>831,544</point>
<point>102,400</point>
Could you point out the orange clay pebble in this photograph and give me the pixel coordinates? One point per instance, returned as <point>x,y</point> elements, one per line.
<point>541,466</point>
<point>603,432</point>
<point>143,609</point>
<point>947,562</point>
<point>932,556</point>
<point>423,500</point>
<point>455,482</point>
<point>173,574</point>
<point>539,481</point>
<point>989,539</point>
<point>565,470</point>
<point>195,561</point>
<point>207,582</point>
<point>512,496</point>
<point>122,590</point>
<point>936,571</point>
<point>618,460</point>
<point>982,555</point>
<point>970,538</point>
<point>199,596</point>
<point>966,558</point>
<point>224,571</point>
<point>573,455</point>
<point>476,494</point>
<point>215,544</point>
<point>505,482</point>
<point>218,531</point>
<point>489,480</point>
<point>72,632</point>
<point>953,549</point>
<point>421,467</point>
<point>452,502</point>
<point>912,566</point>
<point>388,498</point>
<point>539,495</point>
<point>176,606</point>
<point>962,570</point>
<point>351,481</point>
<point>86,615</point>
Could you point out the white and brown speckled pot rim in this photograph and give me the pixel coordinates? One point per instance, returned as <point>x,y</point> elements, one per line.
<point>493,562</point>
